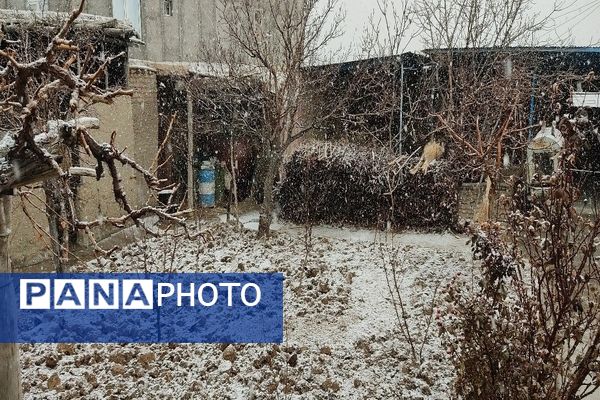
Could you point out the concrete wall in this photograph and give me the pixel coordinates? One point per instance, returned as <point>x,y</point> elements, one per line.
<point>97,7</point>
<point>178,37</point>
<point>168,38</point>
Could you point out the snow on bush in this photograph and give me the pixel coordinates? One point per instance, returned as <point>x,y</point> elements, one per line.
<point>530,327</point>
<point>349,184</point>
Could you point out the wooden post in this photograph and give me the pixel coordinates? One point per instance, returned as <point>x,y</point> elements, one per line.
<point>10,370</point>
<point>190,162</point>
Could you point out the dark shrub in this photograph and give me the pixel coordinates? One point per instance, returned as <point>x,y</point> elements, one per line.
<point>349,184</point>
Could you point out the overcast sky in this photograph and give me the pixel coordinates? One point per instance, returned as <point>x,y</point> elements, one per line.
<point>580,20</point>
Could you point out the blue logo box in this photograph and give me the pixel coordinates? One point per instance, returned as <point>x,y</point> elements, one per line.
<point>141,308</point>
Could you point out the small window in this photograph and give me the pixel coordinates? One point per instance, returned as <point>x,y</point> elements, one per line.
<point>128,10</point>
<point>168,7</point>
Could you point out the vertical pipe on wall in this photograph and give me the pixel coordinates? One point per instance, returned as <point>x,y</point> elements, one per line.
<point>532,107</point>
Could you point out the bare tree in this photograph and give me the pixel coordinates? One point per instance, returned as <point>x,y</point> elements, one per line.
<point>381,103</point>
<point>478,23</point>
<point>389,30</point>
<point>481,90</point>
<point>531,327</point>
<point>273,41</point>
<point>34,148</point>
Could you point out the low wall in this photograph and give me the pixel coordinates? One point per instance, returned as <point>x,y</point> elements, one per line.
<point>470,198</point>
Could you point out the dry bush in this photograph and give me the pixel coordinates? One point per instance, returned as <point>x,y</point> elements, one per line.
<point>530,328</point>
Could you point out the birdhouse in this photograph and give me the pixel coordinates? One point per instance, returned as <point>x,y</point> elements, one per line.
<point>542,156</point>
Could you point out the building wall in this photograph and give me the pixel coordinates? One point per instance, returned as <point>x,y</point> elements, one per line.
<point>29,238</point>
<point>144,105</point>
<point>97,7</point>
<point>176,37</point>
<point>96,197</point>
<point>136,121</point>
<point>30,242</point>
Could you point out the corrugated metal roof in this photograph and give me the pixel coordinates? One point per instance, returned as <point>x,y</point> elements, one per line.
<point>407,57</point>
<point>516,49</point>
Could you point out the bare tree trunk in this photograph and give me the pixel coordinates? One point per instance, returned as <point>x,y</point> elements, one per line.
<point>56,212</point>
<point>10,371</point>
<point>266,209</point>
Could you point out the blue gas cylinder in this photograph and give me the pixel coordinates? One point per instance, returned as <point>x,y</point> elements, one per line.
<point>206,178</point>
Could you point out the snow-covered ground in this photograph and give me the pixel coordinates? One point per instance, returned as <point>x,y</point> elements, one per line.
<point>341,334</point>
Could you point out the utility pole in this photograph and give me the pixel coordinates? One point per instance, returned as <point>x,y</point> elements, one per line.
<point>401,128</point>
<point>190,161</point>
